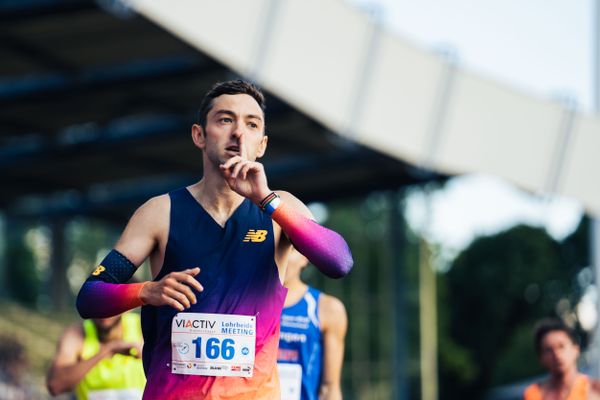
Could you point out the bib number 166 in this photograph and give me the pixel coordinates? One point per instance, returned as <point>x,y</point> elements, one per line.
<point>215,348</point>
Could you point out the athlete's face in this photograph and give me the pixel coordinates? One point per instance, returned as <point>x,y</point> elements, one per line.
<point>234,126</point>
<point>104,325</point>
<point>558,353</point>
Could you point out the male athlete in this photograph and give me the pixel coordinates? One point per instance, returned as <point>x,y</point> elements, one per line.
<point>311,343</point>
<point>558,352</point>
<point>214,334</point>
<point>99,359</point>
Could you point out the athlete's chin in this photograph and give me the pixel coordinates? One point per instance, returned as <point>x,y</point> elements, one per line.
<point>218,159</point>
<point>559,369</point>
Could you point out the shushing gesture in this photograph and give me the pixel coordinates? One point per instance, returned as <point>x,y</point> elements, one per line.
<point>246,178</point>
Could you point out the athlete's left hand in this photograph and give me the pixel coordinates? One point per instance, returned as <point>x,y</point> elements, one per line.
<point>246,178</point>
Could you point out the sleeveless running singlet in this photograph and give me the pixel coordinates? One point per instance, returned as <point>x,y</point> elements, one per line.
<point>300,341</point>
<point>118,377</point>
<point>239,276</point>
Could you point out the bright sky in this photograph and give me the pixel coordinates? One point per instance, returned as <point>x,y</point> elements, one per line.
<point>541,47</point>
<point>473,205</point>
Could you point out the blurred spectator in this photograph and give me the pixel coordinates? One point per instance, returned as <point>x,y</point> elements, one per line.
<point>558,351</point>
<point>311,343</point>
<point>13,368</point>
<point>100,359</point>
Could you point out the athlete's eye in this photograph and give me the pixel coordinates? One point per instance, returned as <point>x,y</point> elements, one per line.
<point>225,120</point>
<point>252,125</point>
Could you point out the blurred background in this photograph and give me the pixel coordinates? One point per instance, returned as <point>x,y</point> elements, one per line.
<point>453,144</point>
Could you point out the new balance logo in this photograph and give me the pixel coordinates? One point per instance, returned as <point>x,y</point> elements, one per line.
<point>98,270</point>
<point>255,236</point>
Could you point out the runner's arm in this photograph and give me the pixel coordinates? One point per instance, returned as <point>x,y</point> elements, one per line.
<point>67,370</point>
<point>334,323</point>
<point>324,248</point>
<point>105,293</point>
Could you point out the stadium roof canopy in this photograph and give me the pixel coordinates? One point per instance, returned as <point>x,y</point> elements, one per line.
<point>371,87</point>
<point>96,105</point>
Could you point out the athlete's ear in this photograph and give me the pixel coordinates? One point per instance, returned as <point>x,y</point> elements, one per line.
<point>198,136</point>
<point>262,146</point>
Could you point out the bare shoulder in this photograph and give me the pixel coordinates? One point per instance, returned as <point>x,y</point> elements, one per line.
<point>153,213</point>
<point>332,312</point>
<point>295,203</point>
<point>147,227</point>
<point>73,332</point>
<point>331,304</point>
<point>70,342</point>
<point>158,204</point>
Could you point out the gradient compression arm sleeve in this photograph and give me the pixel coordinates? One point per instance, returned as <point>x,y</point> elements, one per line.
<point>104,294</point>
<point>324,248</point>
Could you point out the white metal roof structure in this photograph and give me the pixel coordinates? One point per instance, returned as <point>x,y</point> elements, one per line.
<point>341,68</point>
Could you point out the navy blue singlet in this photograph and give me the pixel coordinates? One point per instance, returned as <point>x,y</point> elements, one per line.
<point>239,276</point>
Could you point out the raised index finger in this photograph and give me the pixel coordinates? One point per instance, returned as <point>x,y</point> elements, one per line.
<point>243,151</point>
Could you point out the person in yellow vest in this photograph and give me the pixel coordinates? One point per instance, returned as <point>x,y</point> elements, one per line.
<point>100,359</point>
<point>558,351</point>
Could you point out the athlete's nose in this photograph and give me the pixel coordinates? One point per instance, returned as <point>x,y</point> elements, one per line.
<point>238,130</point>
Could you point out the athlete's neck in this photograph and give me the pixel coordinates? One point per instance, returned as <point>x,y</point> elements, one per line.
<point>563,383</point>
<point>296,289</point>
<point>115,332</point>
<point>217,198</point>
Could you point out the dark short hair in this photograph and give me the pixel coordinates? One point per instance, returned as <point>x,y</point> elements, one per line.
<point>229,87</point>
<point>547,325</point>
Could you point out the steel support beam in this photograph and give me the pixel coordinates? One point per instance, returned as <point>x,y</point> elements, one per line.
<point>101,77</point>
<point>280,172</point>
<point>13,10</point>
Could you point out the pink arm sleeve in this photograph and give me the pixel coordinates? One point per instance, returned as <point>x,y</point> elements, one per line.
<point>98,299</point>
<point>324,248</point>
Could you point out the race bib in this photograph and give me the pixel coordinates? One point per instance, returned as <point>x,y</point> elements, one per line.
<point>116,394</point>
<point>290,380</point>
<point>213,344</point>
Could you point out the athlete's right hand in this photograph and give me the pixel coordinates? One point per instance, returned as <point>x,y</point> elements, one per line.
<point>174,289</point>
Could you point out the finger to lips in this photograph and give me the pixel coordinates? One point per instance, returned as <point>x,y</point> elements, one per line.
<point>237,168</point>
<point>234,160</point>
<point>244,170</point>
<point>227,164</point>
<point>243,152</point>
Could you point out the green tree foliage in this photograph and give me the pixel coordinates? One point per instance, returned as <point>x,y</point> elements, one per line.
<point>22,279</point>
<point>576,246</point>
<point>489,300</point>
<point>369,294</point>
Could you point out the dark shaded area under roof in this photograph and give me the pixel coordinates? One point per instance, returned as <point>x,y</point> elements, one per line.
<point>95,115</point>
